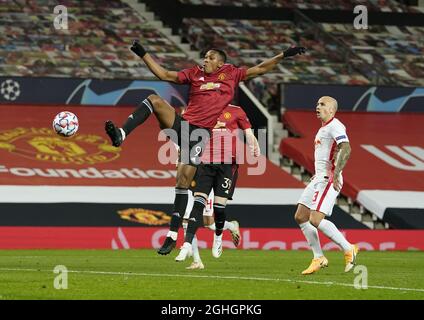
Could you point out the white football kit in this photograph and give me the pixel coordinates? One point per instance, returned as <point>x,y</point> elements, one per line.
<point>319,194</point>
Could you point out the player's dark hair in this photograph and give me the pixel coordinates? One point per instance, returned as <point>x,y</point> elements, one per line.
<point>221,53</point>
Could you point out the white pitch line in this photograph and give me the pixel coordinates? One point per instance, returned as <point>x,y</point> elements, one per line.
<point>327,283</point>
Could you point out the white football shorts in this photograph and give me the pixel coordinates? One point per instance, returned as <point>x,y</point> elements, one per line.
<point>320,195</point>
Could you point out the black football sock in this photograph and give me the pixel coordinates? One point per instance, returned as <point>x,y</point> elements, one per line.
<point>180,205</point>
<point>196,218</point>
<point>143,111</point>
<point>219,212</point>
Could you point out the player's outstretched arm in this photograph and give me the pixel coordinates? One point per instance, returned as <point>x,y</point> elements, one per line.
<point>252,142</point>
<point>153,66</point>
<point>269,64</point>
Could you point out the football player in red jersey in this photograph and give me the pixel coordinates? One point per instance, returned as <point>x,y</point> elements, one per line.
<point>212,88</point>
<point>218,172</point>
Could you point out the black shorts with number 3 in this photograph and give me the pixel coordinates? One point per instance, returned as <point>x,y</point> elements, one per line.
<point>221,178</point>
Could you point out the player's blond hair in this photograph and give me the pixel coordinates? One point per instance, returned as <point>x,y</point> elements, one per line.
<point>333,102</point>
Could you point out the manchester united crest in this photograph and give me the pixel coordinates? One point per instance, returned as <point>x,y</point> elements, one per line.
<point>227,115</point>
<point>145,216</point>
<point>221,77</point>
<point>45,145</point>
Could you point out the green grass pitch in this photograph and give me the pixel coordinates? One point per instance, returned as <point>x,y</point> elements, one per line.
<point>238,274</point>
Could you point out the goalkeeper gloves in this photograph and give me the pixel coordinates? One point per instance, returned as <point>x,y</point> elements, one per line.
<point>138,49</point>
<point>294,51</point>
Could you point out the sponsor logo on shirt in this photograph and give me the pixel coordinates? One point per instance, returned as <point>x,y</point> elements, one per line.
<point>220,125</point>
<point>210,86</point>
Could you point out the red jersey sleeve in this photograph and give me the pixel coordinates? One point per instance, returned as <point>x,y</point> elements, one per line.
<point>185,75</point>
<point>239,74</point>
<point>243,121</point>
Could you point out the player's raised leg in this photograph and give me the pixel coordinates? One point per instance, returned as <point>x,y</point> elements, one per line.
<point>164,113</point>
<point>311,234</point>
<point>331,231</point>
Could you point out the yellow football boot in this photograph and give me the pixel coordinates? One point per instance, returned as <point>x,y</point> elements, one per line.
<point>350,257</point>
<point>316,264</point>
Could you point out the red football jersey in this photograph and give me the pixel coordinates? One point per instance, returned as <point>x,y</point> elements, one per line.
<point>209,93</point>
<point>222,145</point>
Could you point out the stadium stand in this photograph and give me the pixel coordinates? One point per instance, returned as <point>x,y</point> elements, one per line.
<point>95,44</point>
<point>380,55</point>
<point>248,42</point>
<point>399,48</point>
<point>386,54</point>
<point>374,5</point>
<point>97,40</point>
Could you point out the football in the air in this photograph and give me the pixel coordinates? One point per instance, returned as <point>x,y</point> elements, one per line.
<point>65,124</point>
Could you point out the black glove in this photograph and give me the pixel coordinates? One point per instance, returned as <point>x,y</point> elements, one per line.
<point>294,51</point>
<point>138,49</point>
